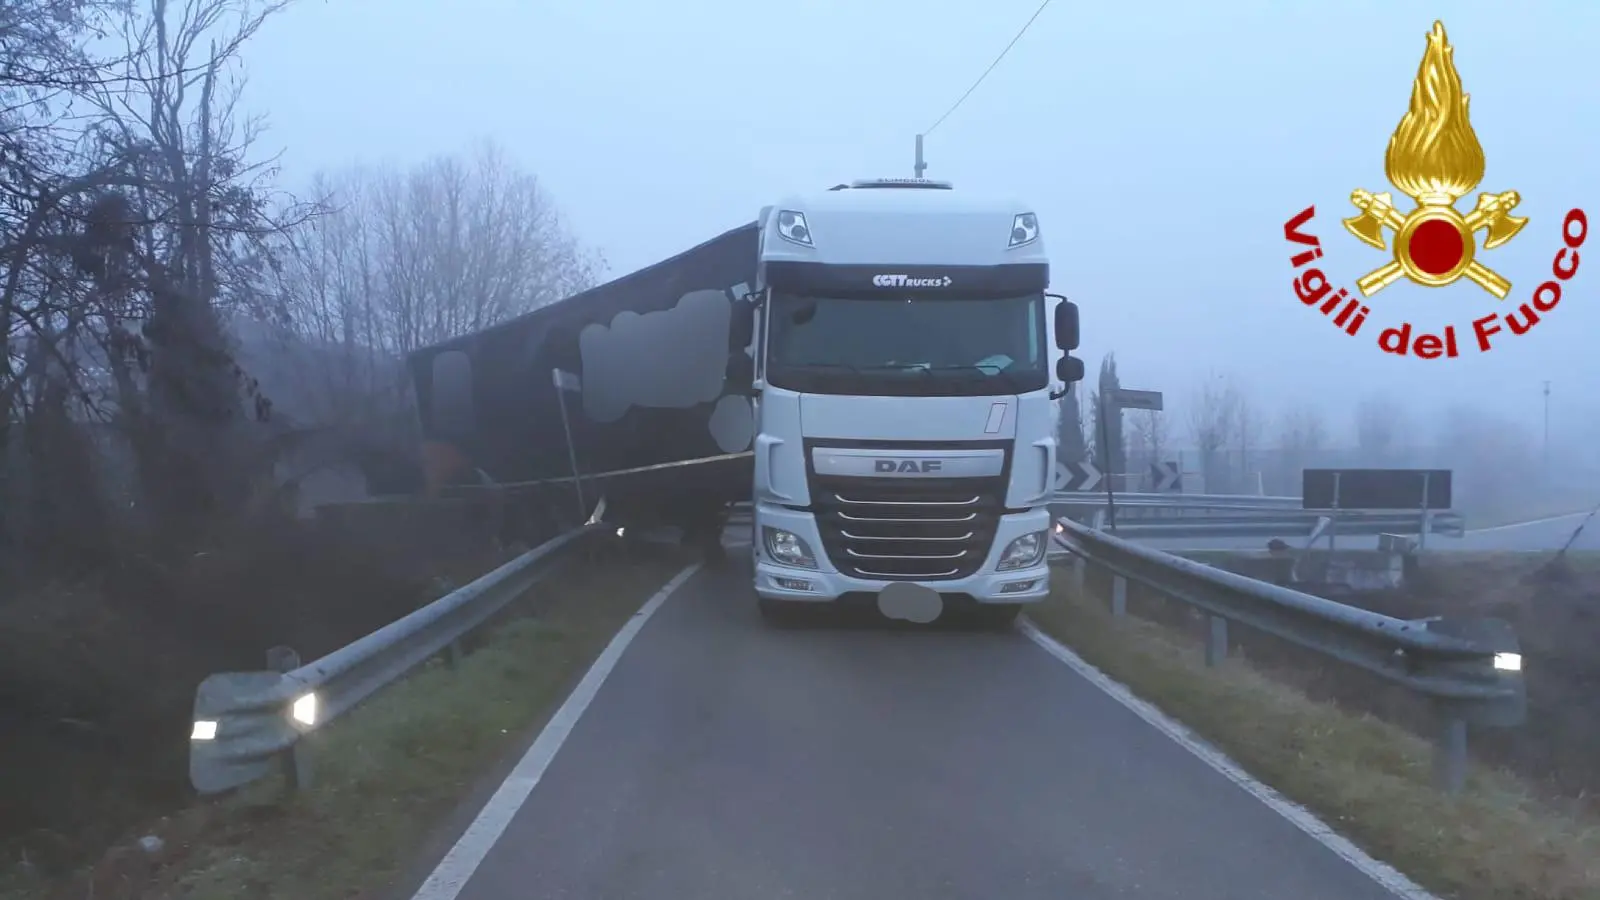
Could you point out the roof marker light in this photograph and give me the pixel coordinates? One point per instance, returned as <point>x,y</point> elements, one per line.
<point>1024,229</point>
<point>792,227</point>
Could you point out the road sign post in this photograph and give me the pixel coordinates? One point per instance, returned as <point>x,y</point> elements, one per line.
<point>568,381</point>
<point>1113,404</point>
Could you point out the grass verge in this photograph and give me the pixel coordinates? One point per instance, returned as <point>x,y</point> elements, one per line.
<point>388,774</point>
<point>1364,777</point>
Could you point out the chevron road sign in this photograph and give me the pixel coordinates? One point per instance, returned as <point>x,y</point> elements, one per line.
<point>1167,476</point>
<point>1077,476</point>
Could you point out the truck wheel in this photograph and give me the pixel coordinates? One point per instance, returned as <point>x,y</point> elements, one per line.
<point>998,615</point>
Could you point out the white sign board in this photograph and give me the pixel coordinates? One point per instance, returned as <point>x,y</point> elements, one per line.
<point>1127,399</point>
<point>566,381</point>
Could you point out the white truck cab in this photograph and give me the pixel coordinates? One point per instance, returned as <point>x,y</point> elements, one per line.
<point>899,348</point>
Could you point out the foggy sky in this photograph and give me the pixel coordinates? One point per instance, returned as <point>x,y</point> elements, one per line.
<point>1163,151</point>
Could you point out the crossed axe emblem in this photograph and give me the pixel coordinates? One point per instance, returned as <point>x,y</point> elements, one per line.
<point>1440,235</point>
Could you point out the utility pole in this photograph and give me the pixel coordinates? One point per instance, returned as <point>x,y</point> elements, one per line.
<point>920,166</point>
<point>1547,429</point>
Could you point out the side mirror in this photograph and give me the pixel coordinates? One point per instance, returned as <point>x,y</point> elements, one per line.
<point>1069,369</point>
<point>1067,336</point>
<point>742,326</point>
<point>741,371</point>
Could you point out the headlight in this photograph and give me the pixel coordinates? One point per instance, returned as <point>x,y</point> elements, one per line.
<point>786,547</point>
<point>1024,229</point>
<point>1023,552</point>
<point>792,227</point>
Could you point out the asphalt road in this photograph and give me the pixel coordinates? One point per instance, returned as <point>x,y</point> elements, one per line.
<point>724,758</point>
<point>1543,534</point>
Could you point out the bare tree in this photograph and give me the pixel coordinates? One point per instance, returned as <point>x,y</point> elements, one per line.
<point>1492,459</point>
<point>132,225</point>
<point>1378,425</point>
<point>1302,434</point>
<point>404,259</point>
<point>1248,430</point>
<point>1213,424</point>
<point>1147,439</point>
<point>194,221</point>
<point>455,245</point>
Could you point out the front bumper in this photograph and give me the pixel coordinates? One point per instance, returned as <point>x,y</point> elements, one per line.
<point>823,584</point>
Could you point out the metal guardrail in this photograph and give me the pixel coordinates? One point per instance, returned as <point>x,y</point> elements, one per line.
<point>1470,669</point>
<point>1174,501</point>
<point>246,724</point>
<point>1287,526</point>
<point>1148,516</point>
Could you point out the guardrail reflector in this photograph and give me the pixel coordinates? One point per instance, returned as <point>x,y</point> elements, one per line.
<point>304,710</point>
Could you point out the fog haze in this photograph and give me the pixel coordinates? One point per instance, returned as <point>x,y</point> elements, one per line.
<point>1163,151</point>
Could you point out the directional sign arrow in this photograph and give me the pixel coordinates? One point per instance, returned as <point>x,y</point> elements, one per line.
<point>1083,476</point>
<point>1167,476</point>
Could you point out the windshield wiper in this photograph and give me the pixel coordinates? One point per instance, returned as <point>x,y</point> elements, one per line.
<point>1007,378</point>
<point>839,367</point>
<point>861,370</point>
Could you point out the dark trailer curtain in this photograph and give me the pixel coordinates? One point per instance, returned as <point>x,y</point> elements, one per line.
<point>650,349</point>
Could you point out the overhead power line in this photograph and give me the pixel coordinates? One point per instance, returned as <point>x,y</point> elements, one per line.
<point>963,98</point>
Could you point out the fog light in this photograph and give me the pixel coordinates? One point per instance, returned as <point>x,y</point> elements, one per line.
<point>792,584</point>
<point>204,730</point>
<point>1018,587</point>
<point>1508,662</point>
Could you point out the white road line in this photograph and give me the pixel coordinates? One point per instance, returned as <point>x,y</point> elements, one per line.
<point>1543,521</point>
<point>452,873</point>
<point>1302,818</point>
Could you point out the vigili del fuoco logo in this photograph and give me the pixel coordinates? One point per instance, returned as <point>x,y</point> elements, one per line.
<point>1435,159</point>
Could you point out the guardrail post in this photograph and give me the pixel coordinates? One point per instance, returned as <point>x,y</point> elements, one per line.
<point>1217,644</point>
<point>452,654</point>
<point>295,761</point>
<point>1450,754</point>
<point>1119,596</point>
<point>1079,574</point>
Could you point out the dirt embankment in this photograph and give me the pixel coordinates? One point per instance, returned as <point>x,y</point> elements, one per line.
<point>1557,621</point>
<point>97,676</point>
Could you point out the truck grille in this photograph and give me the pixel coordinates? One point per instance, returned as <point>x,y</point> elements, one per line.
<point>893,529</point>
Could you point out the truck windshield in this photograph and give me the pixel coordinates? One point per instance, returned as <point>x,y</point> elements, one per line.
<point>907,345</point>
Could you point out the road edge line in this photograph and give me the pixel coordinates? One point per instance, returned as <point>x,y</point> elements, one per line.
<point>1510,525</point>
<point>1304,819</point>
<point>451,875</point>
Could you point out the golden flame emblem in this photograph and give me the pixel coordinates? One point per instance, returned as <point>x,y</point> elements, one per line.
<point>1435,159</point>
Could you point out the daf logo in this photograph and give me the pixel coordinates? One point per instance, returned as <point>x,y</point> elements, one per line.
<point>916,466</point>
<point>906,281</point>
